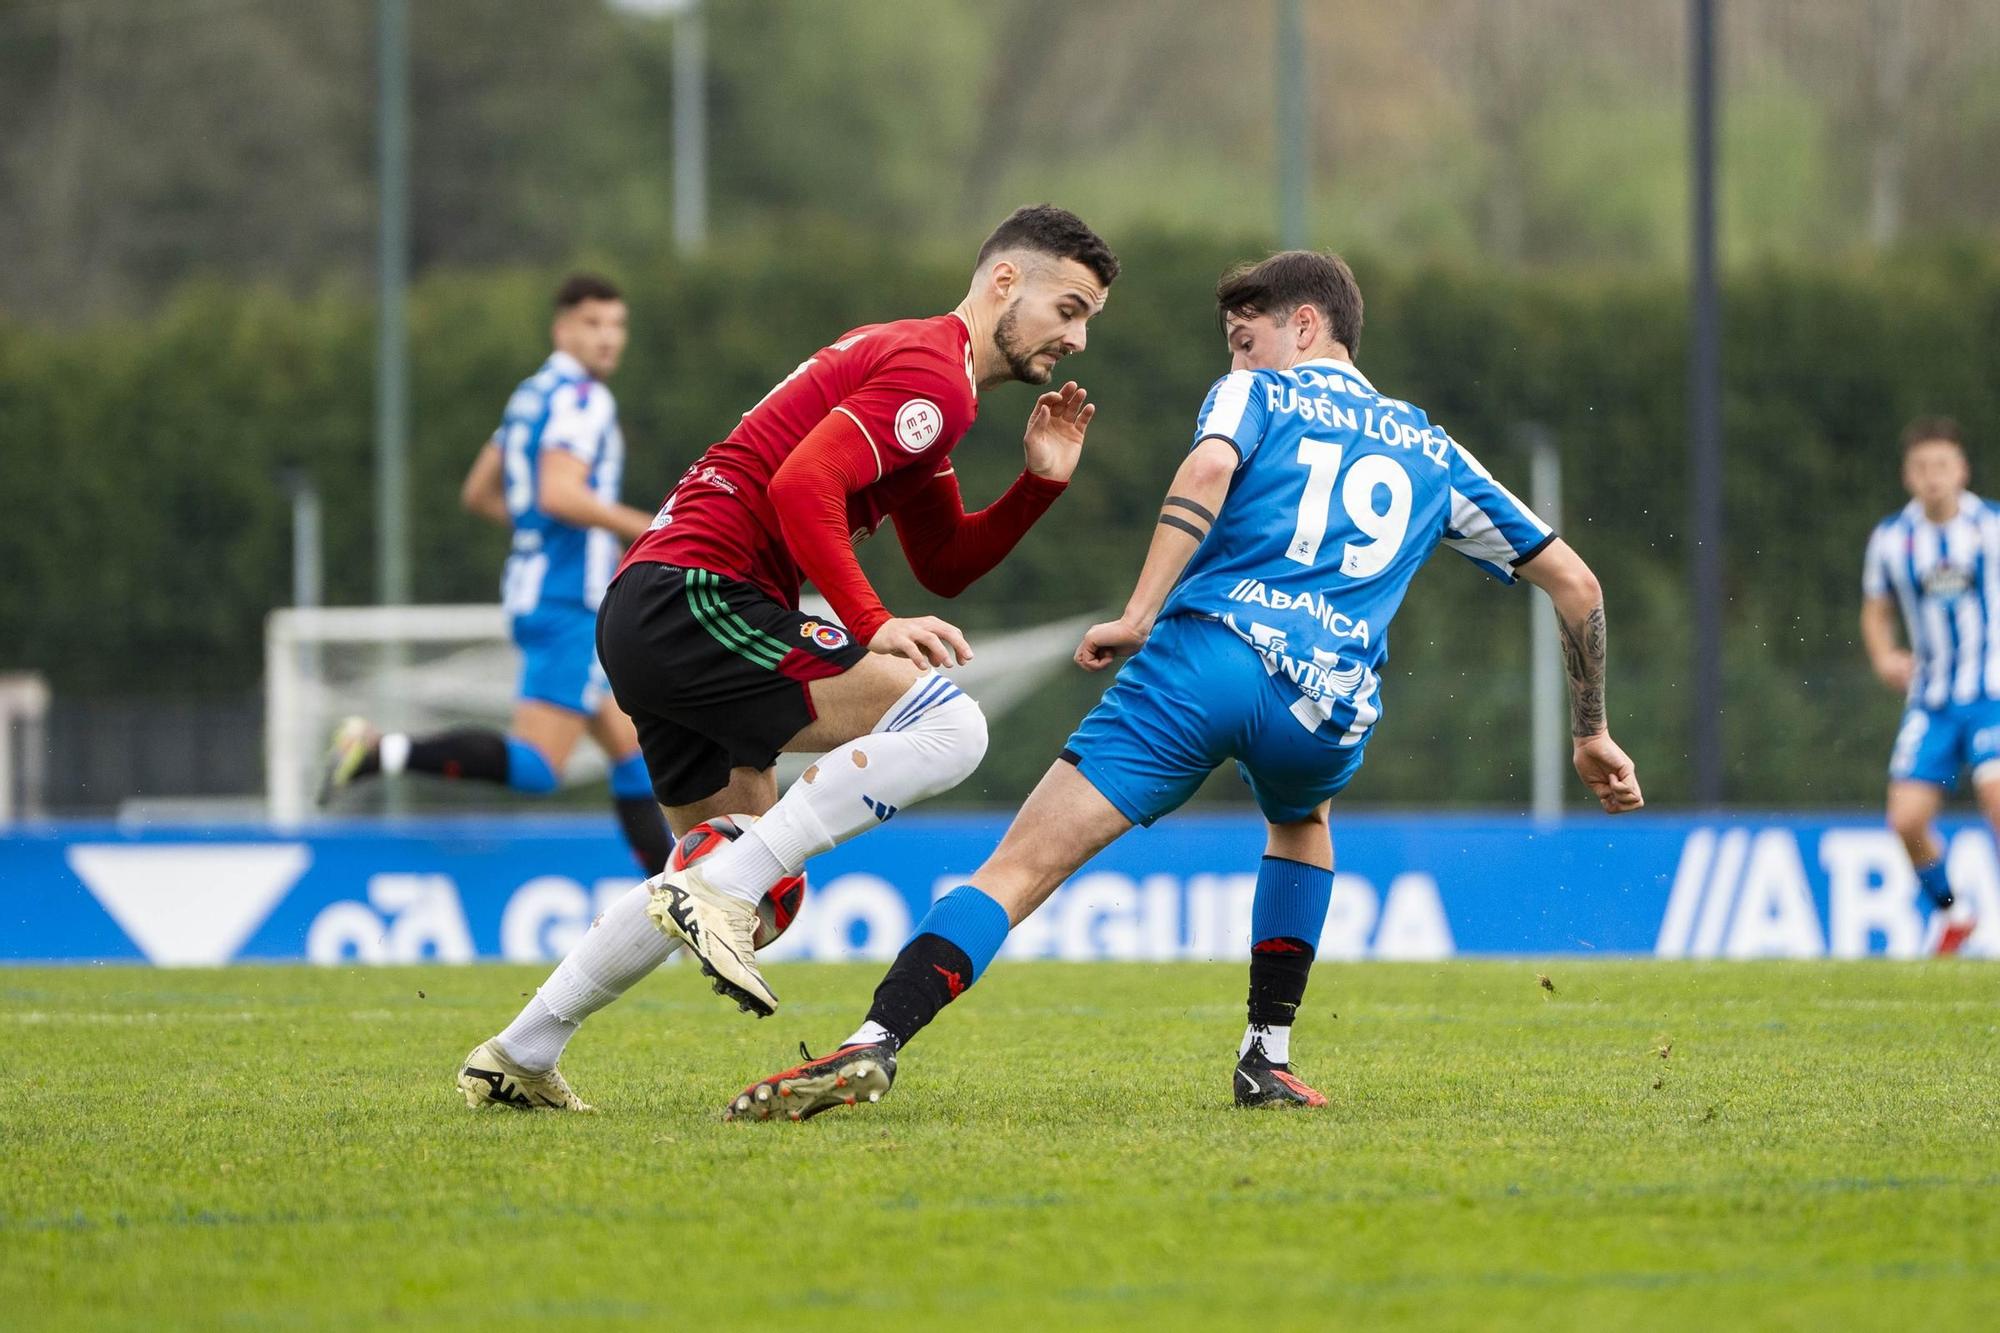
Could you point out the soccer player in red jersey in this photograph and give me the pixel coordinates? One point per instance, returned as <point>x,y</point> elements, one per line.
<point>708,653</point>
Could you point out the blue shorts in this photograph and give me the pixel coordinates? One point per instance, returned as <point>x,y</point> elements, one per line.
<point>559,658</point>
<point>1193,697</point>
<point>1937,744</point>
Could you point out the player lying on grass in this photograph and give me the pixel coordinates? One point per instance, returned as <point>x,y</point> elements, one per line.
<point>1938,561</point>
<point>708,653</point>
<point>1261,616</point>
<point>551,473</point>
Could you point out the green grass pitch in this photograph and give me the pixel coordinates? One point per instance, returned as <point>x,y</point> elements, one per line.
<point>1818,1147</point>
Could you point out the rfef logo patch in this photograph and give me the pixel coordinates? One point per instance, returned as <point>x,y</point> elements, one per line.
<point>828,637</point>
<point>918,424</point>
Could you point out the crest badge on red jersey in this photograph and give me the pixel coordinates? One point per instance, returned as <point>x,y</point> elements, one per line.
<point>828,637</point>
<point>918,424</point>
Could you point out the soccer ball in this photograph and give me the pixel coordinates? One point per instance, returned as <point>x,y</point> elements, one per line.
<point>780,905</point>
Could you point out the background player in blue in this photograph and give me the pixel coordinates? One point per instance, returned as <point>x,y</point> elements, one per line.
<point>1937,560</point>
<point>551,473</point>
<point>1260,623</point>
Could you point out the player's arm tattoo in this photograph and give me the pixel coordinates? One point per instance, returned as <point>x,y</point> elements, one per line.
<point>1196,528</point>
<point>1583,660</point>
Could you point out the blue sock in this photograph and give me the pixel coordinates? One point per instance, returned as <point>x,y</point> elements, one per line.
<point>972,921</point>
<point>629,779</point>
<point>1286,918</point>
<point>1291,902</point>
<point>951,947</point>
<point>1937,889</point>
<point>527,771</point>
<point>646,831</point>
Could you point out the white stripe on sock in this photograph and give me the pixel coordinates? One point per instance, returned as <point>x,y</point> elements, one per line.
<point>1277,1043</point>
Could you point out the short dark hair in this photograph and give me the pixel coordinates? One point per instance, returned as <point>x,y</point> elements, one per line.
<point>1924,430</point>
<point>580,287</point>
<point>1289,279</point>
<point>1049,230</point>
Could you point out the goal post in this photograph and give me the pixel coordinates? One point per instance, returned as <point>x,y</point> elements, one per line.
<point>423,668</point>
<point>415,667</point>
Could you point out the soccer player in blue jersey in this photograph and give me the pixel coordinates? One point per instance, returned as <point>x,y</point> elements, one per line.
<point>552,471</point>
<point>1937,561</point>
<point>1257,630</point>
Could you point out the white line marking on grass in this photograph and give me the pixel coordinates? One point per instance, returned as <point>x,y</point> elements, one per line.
<point>33,1017</point>
<point>88,1018</point>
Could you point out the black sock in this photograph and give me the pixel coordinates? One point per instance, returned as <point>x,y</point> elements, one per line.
<point>645,831</point>
<point>927,975</point>
<point>1279,968</point>
<point>468,752</point>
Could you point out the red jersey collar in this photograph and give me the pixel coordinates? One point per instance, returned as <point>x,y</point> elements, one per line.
<point>970,378</point>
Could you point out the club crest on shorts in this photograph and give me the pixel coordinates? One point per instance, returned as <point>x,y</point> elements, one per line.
<point>918,424</point>
<point>828,637</point>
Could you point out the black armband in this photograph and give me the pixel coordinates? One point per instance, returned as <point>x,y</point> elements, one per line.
<point>1192,508</point>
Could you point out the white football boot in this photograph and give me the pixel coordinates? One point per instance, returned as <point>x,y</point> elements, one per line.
<point>488,1078</point>
<point>719,930</point>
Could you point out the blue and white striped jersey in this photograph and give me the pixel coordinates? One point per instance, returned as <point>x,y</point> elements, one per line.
<point>553,563</point>
<point>1945,577</point>
<point>1339,496</point>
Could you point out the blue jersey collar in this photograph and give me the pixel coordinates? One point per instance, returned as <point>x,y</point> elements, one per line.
<point>1968,505</point>
<point>1344,367</point>
<point>567,366</point>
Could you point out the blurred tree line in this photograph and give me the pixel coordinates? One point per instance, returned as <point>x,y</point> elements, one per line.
<point>145,533</point>
<point>187,208</point>
<point>150,141</point>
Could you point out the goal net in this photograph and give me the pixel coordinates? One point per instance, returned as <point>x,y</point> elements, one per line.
<point>423,668</point>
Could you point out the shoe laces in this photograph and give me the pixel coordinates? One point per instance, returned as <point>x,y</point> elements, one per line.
<point>555,1080</point>
<point>742,922</point>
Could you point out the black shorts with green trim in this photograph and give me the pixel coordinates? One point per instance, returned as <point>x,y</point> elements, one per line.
<point>712,672</point>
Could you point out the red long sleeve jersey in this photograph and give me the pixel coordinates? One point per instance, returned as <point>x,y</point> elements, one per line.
<point>861,431</point>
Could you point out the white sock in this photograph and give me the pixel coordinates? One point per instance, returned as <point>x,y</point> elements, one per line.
<point>609,960</point>
<point>746,868</point>
<point>928,742</point>
<point>1277,1043</point>
<point>867,1034</point>
<point>536,1037</point>
<point>392,752</point>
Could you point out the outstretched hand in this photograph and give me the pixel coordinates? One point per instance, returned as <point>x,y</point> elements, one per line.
<point>1106,643</point>
<point>1054,439</point>
<point>1607,771</point>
